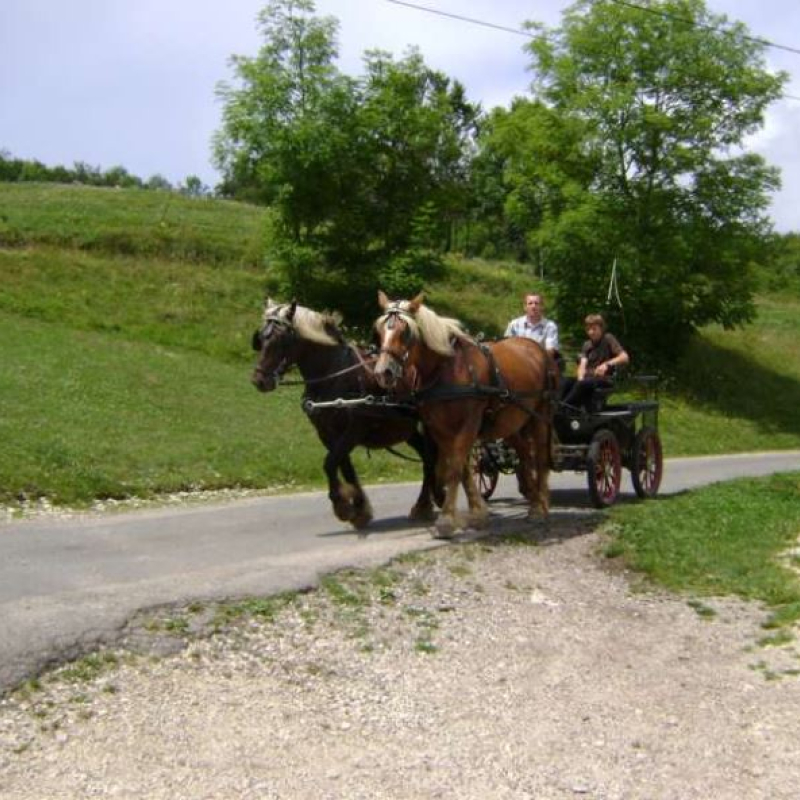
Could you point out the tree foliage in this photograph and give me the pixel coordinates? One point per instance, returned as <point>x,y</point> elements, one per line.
<point>631,150</point>
<point>366,174</point>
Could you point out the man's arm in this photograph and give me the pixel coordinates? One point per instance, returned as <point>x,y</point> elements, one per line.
<point>618,359</point>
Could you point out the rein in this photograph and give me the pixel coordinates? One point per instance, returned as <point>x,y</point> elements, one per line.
<point>362,364</point>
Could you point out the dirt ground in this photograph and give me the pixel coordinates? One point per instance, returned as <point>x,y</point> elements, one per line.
<point>482,670</point>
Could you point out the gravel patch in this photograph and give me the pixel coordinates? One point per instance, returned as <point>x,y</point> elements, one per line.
<point>491,669</point>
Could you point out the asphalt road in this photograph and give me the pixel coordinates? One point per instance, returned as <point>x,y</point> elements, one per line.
<point>68,586</point>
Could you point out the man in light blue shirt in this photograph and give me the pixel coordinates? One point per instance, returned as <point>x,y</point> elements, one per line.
<point>534,325</point>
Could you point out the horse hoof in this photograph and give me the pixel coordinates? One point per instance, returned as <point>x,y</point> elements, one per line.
<point>360,521</point>
<point>422,514</point>
<point>346,513</point>
<point>445,528</point>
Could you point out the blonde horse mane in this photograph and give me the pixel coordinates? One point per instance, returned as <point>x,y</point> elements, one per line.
<point>309,325</point>
<point>435,331</point>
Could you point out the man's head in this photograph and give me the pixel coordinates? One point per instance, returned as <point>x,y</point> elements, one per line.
<point>534,306</point>
<point>595,327</point>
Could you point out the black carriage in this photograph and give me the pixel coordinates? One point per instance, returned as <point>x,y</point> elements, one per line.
<point>599,441</point>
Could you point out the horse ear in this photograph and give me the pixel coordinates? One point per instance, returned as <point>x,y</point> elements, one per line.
<point>383,300</point>
<point>413,305</point>
<point>292,309</point>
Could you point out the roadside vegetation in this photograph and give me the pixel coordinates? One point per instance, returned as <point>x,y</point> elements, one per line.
<point>736,538</point>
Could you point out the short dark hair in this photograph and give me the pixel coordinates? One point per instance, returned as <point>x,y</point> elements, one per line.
<point>595,319</point>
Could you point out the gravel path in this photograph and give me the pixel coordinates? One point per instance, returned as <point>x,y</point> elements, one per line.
<point>483,670</point>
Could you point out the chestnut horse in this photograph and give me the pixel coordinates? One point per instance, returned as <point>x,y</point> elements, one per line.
<point>332,369</point>
<point>464,391</point>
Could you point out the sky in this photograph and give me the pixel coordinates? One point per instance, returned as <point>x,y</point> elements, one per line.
<point>118,82</point>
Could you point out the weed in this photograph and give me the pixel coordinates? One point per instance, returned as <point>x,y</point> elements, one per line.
<point>340,593</point>
<point>89,667</point>
<point>776,640</point>
<point>178,625</point>
<point>460,570</point>
<point>702,610</point>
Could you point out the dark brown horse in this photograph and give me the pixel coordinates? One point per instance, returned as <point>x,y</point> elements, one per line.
<point>465,391</point>
<point>334,369</point>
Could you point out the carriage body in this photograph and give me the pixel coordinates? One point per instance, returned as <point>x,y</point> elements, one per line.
<point>600,442</point>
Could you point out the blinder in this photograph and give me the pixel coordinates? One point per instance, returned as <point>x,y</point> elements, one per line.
<point>260,337</point>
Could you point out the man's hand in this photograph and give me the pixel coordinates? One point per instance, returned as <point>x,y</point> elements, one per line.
<point>601,370</point>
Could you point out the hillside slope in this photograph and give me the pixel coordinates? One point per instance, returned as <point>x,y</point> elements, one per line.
<point>125,321</point>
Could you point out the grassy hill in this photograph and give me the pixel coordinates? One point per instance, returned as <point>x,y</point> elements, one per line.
<point>125,320</point>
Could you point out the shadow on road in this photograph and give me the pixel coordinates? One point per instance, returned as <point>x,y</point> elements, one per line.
<point>571,514</point>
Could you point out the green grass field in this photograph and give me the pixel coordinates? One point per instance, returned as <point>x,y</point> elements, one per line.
<point>125,321</point>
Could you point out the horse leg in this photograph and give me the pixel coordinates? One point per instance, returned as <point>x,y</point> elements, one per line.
<point>422,510</point>
<point>362,509</point>
<point>522,442</point>
<point>525,482</point>
<point>478,510</point>
<point>542,436</point>
<point>338,495</point>
<point>451,469</point>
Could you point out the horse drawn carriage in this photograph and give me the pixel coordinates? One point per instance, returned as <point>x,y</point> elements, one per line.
<point>427,370</point>
<point>600,441</point>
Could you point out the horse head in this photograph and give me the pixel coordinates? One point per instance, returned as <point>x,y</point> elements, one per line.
<point>398,338</point>
<point>289,334</point>
<point>274,342</point>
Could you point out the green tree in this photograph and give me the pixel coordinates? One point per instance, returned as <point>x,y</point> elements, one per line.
<point>194,187</point>
<point>633,151</point>
<point>360,172</point>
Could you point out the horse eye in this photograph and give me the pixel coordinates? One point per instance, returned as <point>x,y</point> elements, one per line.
<point>257,342</point>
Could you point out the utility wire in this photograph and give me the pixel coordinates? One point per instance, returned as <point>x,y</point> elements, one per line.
<point>519,32</point>
<point>704,26</point>
<point>438,12</point>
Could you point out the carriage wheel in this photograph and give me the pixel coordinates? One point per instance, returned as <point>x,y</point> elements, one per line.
<point>648,463</point>
<point>485,472</point>
<point>604,468</point>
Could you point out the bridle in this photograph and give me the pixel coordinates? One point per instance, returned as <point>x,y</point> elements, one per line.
<point>277,326</point>
<point>274,327</point>
<point>393,316</point>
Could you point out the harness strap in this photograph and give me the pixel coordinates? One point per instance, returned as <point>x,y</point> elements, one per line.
<point>362,364</point>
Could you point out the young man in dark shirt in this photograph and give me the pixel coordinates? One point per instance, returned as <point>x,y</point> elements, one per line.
<point>601,354</point>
